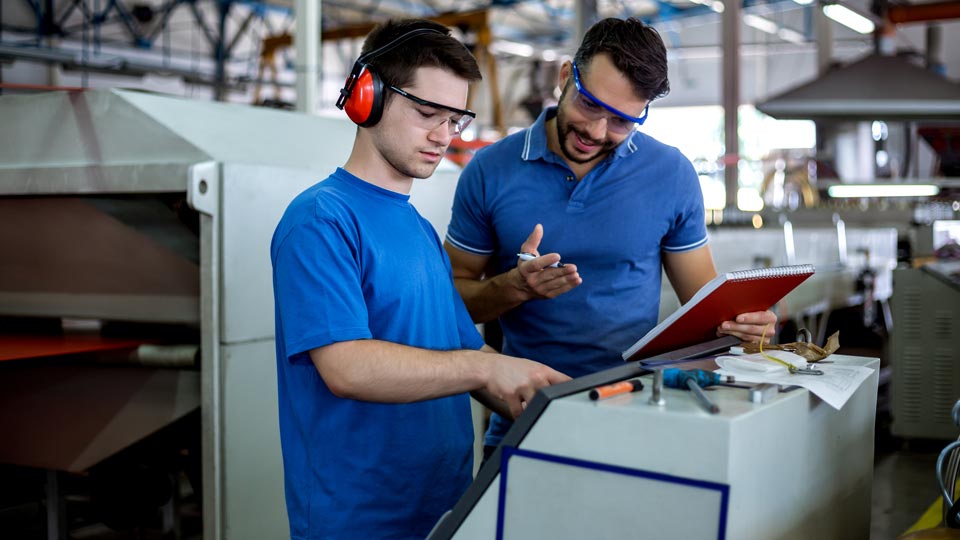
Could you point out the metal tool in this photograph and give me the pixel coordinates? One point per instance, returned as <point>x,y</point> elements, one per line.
<point>710,406</point>
<point>656,397</point>
<point>678,378</point>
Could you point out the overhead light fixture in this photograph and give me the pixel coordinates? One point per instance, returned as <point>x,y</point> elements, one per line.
<point>849,18</point>
<point>792,36</point>
<point>715,5</point>
<point>846,191</point>
<point>803,2</point>
<point>761,23</point>
<point>770,27</point>
<point>511,47</point>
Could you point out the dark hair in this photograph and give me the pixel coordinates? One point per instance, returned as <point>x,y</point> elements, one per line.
<point>634,48</point>
<point>398,65</point>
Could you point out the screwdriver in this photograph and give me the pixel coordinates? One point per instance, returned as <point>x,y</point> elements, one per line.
<point>695,380</point>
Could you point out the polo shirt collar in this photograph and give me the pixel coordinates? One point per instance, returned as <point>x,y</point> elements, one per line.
<point>535,139</point>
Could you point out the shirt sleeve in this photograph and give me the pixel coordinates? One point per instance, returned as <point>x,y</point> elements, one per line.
<point>689,229</point>
<point>317,288</point>
<point>469,228</point>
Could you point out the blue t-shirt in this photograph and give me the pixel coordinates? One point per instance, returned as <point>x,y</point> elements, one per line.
<point>355,261</point>
<point>643,199</point>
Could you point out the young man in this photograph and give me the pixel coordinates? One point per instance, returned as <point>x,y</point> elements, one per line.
<point>615,202</point>
<point>375,349</point>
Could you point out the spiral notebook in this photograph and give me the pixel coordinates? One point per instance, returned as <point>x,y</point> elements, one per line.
<point>722,299</point>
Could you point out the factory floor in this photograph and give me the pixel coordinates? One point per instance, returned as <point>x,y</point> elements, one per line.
<point>904,483</point>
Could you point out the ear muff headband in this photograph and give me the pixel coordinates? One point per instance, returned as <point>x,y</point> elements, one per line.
<point>362,93</point>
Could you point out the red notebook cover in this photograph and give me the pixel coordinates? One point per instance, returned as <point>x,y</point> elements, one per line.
<point>722,299</point>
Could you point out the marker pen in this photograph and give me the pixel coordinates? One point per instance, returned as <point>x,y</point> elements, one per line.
<point>624,387</point>
<point>531,256</point>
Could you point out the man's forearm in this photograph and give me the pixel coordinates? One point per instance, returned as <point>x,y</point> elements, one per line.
<point>489,298</point>
<point>380,371</point>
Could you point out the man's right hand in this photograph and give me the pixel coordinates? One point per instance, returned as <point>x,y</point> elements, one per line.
<point>516,380</point>
<point>536,279</point>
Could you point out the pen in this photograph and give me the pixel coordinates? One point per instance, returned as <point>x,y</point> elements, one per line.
<point>531,256</point>
<point>610,390</point>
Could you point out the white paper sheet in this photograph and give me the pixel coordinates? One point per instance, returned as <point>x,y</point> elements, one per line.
<point>835,386</point>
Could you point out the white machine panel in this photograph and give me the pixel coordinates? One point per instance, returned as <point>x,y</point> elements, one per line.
<point>790,468</point>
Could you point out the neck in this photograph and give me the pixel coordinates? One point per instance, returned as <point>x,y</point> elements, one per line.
<point>371,167</point>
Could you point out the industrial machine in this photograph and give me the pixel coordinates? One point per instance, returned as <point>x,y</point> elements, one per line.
<point>635,466</point>
<point>926,382</point>
<point>146,221</point>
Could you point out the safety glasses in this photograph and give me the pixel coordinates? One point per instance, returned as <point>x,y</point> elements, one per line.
<point>433,119</point>
<point>594,109</point>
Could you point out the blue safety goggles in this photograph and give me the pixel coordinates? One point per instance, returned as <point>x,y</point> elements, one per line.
<point>595,101</point>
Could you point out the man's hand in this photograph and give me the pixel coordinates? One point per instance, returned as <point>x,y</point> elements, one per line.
<point>536,278</point>
<point>750,326</point>
<point>516,380</point>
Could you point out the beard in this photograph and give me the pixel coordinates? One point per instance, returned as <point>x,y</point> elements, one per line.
<point>565,128</point>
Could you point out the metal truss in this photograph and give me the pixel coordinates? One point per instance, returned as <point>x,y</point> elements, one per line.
<point>93,24</point>
<point>74,33</point>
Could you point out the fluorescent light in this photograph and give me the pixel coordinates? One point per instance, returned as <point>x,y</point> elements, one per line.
<point>766,25</point>
<point>849,18</point>
<point>761,23</point>
<point>715,5</point>
<point>882,190</point>
<point>804,2</point>
<point>511,47</point>
<point>792,36</point>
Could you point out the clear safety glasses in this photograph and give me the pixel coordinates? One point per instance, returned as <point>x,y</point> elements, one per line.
<point>431,115</point>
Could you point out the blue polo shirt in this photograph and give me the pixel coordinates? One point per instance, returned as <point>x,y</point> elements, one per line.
<point>642,200</point>
<point>354,261</point>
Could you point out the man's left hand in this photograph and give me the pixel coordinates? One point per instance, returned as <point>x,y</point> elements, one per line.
<point>750,326</point>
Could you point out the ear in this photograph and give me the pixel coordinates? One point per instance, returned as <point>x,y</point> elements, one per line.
<point>566,71</point>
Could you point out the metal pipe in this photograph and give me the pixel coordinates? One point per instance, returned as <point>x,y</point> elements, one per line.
<point>923,12</point>
<point>731,99</point>
<point>307,43</point>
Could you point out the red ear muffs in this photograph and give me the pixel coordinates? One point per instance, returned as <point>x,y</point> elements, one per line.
<point>362,95</point>
<point>365,103</point>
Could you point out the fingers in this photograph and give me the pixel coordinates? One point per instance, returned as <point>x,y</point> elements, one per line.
<point>518,401</point>
<point>516,406</point>
<point>517,381</point>
<point>548,282</point>
<point>532,243</point>
<point>758,318</point>
<point>751,327</point>
<point>540,263</point>
<point>746,332</point>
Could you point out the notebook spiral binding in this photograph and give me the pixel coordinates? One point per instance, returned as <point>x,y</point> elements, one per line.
<point>760,273</point>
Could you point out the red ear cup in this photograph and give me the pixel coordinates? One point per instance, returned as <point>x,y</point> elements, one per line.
<point>365,104</point>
